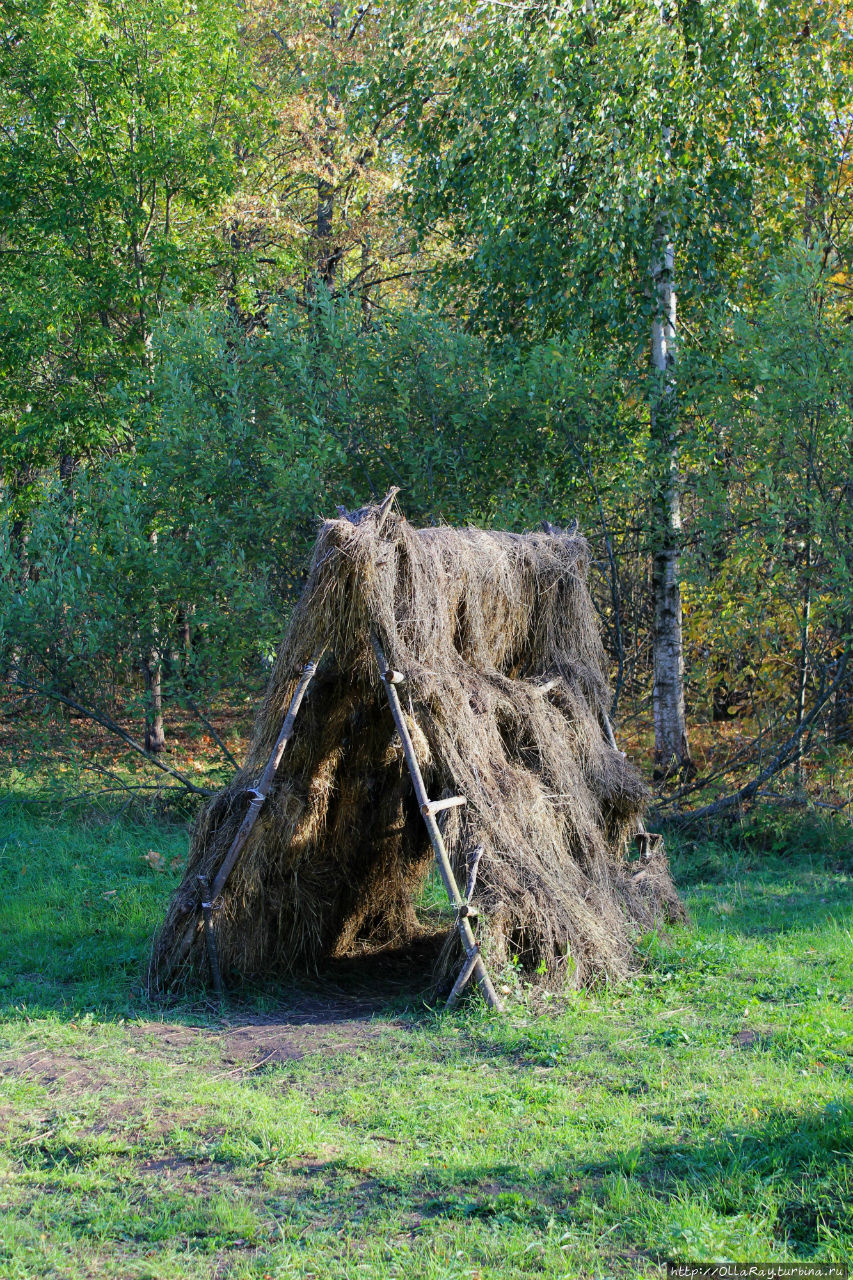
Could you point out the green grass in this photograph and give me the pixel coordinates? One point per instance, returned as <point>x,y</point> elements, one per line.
<point>703,1111</point>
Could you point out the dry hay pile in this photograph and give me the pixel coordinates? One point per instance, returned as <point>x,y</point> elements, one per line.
<point>476,621</point>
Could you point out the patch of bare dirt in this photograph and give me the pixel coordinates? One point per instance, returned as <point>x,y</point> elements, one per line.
<point>71,1072</point>
<point>237,1046</point>
<point>348,1009</point>
<point>255,1041</point>
<point>749,1039</point>
<point>345,1011</point>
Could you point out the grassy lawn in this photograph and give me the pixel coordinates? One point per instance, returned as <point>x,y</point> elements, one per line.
<point>704,1111</point>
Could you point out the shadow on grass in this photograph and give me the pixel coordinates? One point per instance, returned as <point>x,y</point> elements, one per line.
<point>385,983</point>
<point>79,903</point>
<point>791,1175</point>
<point>805,1160</point>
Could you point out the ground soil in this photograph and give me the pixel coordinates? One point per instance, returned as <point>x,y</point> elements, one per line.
<point>316,1024</point>
<point>354,1003</point>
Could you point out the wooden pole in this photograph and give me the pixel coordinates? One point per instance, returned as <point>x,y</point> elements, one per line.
<point>466,933</point>
<point>473,868</point>
<point>607,727</point>
<point>462,981</point>
<point>647,841</point>
<point>259,795</point>
<point>261,791</point>
<point>210,939</point>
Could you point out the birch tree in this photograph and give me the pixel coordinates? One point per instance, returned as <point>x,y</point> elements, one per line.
<point>671,748</point>
<point>578,159</point>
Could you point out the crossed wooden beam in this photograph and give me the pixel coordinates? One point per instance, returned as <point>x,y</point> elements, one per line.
<point>473,965</point>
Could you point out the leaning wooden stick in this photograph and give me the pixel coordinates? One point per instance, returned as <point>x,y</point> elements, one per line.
<point>607,728</point>
<point>210,938</point>
<point>437,841</point>
<point>473,868</point>
<point>259,794</point>
<point>462,981</point>
<point>261,791</point>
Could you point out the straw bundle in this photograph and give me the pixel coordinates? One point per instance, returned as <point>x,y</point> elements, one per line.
<point>478,623</point>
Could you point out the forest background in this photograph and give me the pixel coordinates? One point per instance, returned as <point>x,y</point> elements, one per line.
<point>525,261</point>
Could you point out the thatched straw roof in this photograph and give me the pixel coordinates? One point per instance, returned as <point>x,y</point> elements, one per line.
<point>477,622</point>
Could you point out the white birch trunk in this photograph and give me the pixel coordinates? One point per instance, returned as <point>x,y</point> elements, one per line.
<point>672,751</point>
<point>328,255</point>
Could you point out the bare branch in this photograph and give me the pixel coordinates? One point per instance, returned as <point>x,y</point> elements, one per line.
<point>108,723</point>
<point>785,756</point>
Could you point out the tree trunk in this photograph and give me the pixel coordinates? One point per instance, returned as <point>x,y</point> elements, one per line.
<point>803,669</point>
<point>366,302</point>
<point>672,752</point>
<point>155,735</point>
<point>328,256</point>
<point>67,467</point>
<point>184,630</point>
<point>152,670</point>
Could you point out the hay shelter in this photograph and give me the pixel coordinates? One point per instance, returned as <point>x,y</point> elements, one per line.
<point>499,672</point>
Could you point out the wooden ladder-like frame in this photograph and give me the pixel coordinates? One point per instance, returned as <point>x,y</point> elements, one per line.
<point>473,965</point>
<point>429,808</point>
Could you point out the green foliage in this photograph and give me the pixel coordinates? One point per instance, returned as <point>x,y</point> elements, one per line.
<point>117,130</point>
<point>553,141</point>
<point>246,440</point>
<point>165,346</point>
<point>771,451</point>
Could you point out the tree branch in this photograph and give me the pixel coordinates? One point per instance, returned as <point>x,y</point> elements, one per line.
<point>781,760</point>
<point>106,722</point>
<point>216,738</point>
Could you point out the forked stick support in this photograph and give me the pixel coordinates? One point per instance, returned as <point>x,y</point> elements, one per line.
<point>648,842</point>
<point>210,939</point>
<point>474,962</point>
<point>464,975</point>
<point>473,868</point>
